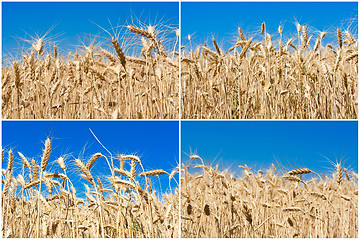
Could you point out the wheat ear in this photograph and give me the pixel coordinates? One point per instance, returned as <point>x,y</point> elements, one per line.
<point>153,173</point>
<point>92,160</point>
<point>46,154</point>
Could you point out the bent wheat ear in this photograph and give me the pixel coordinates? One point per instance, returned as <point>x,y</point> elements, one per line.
<point>86,171</point>
<point>299,171</point>
<point>139,31</point>
<point>123,172</point>
<point>108,55</point>
<point>153,173</point>
<point>93,159</point>
<point>192,157</point>
<point>130,157</point>
<point>292,178</point>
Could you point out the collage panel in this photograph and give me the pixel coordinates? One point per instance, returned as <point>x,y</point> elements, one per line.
<point>269,179</point>
<point>90,179</point>
<point>269,60</point>
<point>90,60</point>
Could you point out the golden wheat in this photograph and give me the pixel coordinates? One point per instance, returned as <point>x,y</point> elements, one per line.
<point>215,204</point>
<point>263,78</point>
<point>95,83</point>
<point>124,207</point>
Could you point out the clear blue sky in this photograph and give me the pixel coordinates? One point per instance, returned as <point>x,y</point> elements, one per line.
<point>221,19</point>
<point>155,142</point>
<point>73,19</point>
<point>257,143</point>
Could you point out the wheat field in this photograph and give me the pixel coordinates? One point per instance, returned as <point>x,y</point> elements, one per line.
<point>266,75</point>
<point>97,81</point>
<point>41,203</point>
<point>267,204</point>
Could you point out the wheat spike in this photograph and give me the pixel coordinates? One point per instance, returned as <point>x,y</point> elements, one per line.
<point>263,28</point>
<point>119,52</point>
<point>86,171</point>
<point>46,154</point>
<point>153,173</point>
<point>340,41</point>
<point>93,159</point>
<point>35,169</point>
<point>25,162</point>
<point>61,163</point>
<point>130,157</point>
<point>299,171</point>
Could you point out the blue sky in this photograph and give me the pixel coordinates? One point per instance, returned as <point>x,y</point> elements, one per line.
<point>155,142</point>
<point>221,19</point>
<point>73,20</point>
<point>257,143</point>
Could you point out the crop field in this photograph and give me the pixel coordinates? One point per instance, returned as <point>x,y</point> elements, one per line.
<point>50,204</point>
<point>268,204</point>
<point>300,75</point>
<point>133,73</point>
